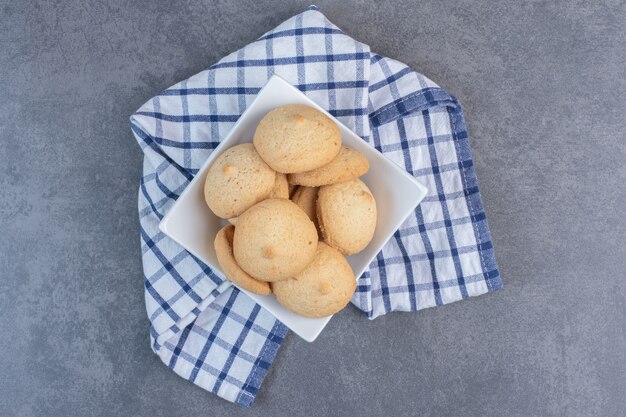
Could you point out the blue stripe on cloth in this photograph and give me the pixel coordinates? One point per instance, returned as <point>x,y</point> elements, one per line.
<point>408,166</point>
<point>164,305</point>
<point>241,80</point>
<point>170,268</point>
<point>409,104</point>
<point>155,239</point>
<point>179,345</point>
<point>339,113</point>
<point>468,175</point>
<point>429,254</point>
<point>153,335</point>
<point>444,205</point>
<point>363,289</point>
<point>390,79</point>
<point>224,344</point>
<point>149,141</point>
<point>158,125</point>
<point>375,58</point>
<point>146,195</point>
<point>453,166</point>
<point>186,128</point>
<point>235,349</point>
<point>291,60</point>
<point>211,91</point>
<point>187,118</point>
<point>435,254</point>
<point>410,287</point>
<point>438,224</point>
<point>206,366</point>
<point>212,336</point>
<point>206,270</point>
<point>215,127</point>
<point>299,58</point>
<point>393,88</point>
<point>413,142</point>
<point>382,275</point>
<point>180,294</point>
<point>184,145</point>
<point>330,72</point>
<point>429,286</point>
<point>169,194</point>
<point>252,91</point>
<point>360,93</point>
<point>260,330</point>
<point>269,52</point>
<point>262,364</point>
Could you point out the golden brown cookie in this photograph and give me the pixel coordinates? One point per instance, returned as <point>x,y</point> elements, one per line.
<point>297,138</point>
<point>322,289</point>
<point>281,187</point>
<point>292,189</point>
<point>274,240</point>
<point>346,213</point>
<point>306,199</point>
<point>349,164</point>
<point>237,180</point>
<point>224,251</point>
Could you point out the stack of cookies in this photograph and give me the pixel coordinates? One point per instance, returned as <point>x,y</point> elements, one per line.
<point>296,208</point>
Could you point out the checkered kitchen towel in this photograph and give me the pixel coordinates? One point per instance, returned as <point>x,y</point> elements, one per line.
<point>212,334</point>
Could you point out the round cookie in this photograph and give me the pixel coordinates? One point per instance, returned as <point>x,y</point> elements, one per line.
<point>281,187</point>
<point>306,199</point>
<point>224,251</point>
<point>349,164</point>
<point>322,289</point>
<point>346,213</point>
<point>237,180</point>
<point>274,240</point>
<point>297,138</point>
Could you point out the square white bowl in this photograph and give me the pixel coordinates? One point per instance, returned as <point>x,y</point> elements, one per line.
<point>190,222</point>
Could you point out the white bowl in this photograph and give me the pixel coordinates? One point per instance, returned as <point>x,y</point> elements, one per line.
<point>194,226</point>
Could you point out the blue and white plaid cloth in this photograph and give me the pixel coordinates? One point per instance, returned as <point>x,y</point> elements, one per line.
<point>212,334</point>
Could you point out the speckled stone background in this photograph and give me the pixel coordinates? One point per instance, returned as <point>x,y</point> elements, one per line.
<point>544,90</point>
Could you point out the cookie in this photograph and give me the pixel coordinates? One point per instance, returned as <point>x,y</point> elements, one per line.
<point>306,199</point>
<point>237,180</point>
<point>274,240</point>
<point>224,251</point>
<point>322,288</point>
<point>346,213</point>
<point>297,138</point>
<point>281,187</point>
<point>349,164</point>
<point>233,220</point>
<point>292,189</point>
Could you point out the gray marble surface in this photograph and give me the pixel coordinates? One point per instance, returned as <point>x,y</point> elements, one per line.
<point>543,86</point>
